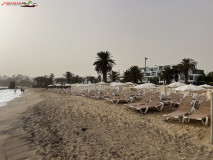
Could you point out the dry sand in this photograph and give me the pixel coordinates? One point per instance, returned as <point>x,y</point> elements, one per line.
<point>70,127</point>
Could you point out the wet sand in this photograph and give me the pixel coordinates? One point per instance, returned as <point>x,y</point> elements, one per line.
<point>69,127</point>
<point>13,142</point>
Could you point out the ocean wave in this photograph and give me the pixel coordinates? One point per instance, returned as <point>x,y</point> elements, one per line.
<point>8,95</point>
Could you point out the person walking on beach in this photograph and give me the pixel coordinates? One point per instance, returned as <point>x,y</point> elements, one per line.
<point>23,90</point>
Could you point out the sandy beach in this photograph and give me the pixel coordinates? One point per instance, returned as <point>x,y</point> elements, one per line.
<point>46,125</point>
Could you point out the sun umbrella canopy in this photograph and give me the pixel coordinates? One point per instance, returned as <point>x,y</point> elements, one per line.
<point>101,83</point>
<point>191,88</point>
<point>206,86</point>
<point>58,85</point>
<point>114,84</point>
<point>176,84</point>
<point>67,85</point>
<point>150,84</point>
<point>90,84</point>
<point>129,83</point>
<point>145,86</point>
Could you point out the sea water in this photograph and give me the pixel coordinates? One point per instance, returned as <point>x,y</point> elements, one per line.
<point>7,95</point>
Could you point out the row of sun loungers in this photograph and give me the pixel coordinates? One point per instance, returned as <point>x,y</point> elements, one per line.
<point>147,102</point>
<point>143,108</point>
<point>142,102</point>
<point>184,113</point>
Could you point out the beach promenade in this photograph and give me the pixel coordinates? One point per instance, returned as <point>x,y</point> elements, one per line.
<point>47,125</point>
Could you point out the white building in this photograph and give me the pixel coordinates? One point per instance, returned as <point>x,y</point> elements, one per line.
<point>155,72</point>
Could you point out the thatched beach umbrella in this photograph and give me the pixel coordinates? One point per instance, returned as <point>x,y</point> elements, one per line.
<point>117,84</point>
<point>176,84</point>
<point>146,86</point>
<point>114,84</point>
<point>191,88</point>
<point>206,86</point>
<point>102,84</point>
<point>129,85</point>
<point>90,86</point>
<point>173,85</point>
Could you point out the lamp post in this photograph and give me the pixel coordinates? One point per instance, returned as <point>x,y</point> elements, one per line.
<point>145,67</point>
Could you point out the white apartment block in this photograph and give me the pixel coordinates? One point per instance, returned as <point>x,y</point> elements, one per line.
<point>155,71</point>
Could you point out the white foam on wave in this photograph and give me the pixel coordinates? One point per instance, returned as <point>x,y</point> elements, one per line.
<point>8,95</point>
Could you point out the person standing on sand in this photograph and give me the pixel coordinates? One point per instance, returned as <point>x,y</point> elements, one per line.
<point>22,89</point>
<point>15,90</point>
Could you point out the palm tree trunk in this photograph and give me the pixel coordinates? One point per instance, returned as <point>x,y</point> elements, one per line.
<point>176,78</point>
<point>104,76</point>
<point>186,77</point>
<point>167,80</point>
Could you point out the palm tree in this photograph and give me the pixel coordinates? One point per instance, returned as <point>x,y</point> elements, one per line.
<point>92,79</point>
<point>113,76</point>
<point>61,80</point>
<point>210,76</point>
<point>51,78</point>
<point>176,72</point>
<point>104,63</point>
<point>77,79</point>
<point>68,76</point>
<point>133,74</point>
<point>185,66</point>
<point>46,81</point>
<point>167,75</point>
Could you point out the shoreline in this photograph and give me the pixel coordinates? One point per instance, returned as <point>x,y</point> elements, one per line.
<point>10,96</point>
<point>12,136</point>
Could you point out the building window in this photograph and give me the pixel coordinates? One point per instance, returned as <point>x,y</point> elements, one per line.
<point>191,78</point>
<point>153,74</point>
<point>155,69</point>
<point>182,77</point>
<point>198,72</point>
<point>160,67</point>
<point>167,66</point>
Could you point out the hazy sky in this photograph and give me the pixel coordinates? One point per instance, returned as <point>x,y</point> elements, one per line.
<point>60,36</point>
